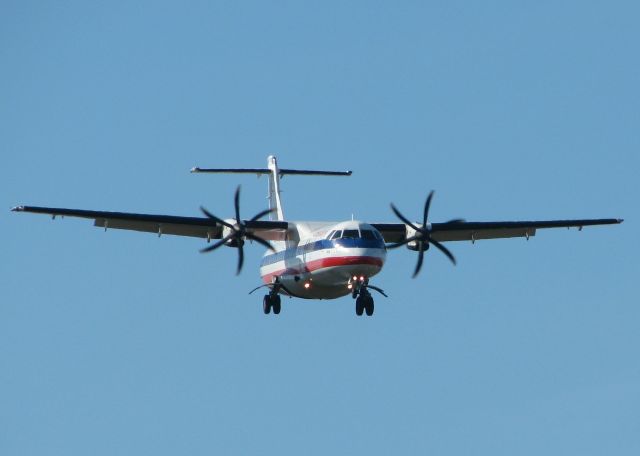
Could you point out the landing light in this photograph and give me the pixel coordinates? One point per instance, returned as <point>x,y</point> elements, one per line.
<point>307,285</point>
<point>361,278</point>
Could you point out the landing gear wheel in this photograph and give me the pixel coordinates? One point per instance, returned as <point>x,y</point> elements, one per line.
<point>275,303</point>
<point>368,306</point>
<point>359,306</point>
<point>266,304</point>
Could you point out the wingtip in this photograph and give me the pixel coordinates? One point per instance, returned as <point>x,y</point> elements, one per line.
<point>17,209</point>
<point>195,169</point>
<point>620,220</point>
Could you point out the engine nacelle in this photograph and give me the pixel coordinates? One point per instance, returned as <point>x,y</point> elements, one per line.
<point>413,245</point>
<point>226,231</point>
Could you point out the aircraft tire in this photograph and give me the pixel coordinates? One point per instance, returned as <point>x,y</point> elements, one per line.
<point>359,306</point>
<point>276,304</point>
<point>266,304</point>
<point>369,306</point>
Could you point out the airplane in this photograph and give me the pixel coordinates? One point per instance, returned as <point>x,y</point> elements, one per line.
<point>309,259</point>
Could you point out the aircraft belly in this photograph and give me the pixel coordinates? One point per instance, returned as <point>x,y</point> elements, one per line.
<point>315,291</point>
<point>324,275</point>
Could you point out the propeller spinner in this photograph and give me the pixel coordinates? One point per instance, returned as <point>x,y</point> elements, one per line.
<point>423,235</point>
<point>238,231</point>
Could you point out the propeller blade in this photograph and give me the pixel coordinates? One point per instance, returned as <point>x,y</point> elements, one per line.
<point>259,215</point>
<point>403,218</point>
<point>420,259</point>
<point>214,218</point>
<point>236,204</point>
<point>423,234</point>
<point>427,205</point>
<point>260,241</point>
<point>238,231</point>
<point>240,257</point>
<point>444,250</point>
<point>401,243</point>
<point>220,243</point>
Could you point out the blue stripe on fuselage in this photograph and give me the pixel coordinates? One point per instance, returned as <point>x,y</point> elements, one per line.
<point>349,243</point>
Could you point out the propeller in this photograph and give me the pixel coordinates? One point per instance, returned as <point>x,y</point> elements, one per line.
<point>238,231</point>
<point>423,235</point>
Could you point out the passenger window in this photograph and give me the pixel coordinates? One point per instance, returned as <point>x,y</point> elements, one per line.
<point>350,234</point>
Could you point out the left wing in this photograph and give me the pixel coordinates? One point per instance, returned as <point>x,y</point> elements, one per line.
<point>201,227</point>
<point>473,231</point>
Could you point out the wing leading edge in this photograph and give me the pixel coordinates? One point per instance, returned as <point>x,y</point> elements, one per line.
<point>473,231</point>
<point>200,227</point>
<point>203,227</point>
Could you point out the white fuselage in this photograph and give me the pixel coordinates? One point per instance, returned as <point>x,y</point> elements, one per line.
<point>324,262</point>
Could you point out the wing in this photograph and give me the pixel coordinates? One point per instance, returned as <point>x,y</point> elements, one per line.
<point>473,231</point>
<point>201,227</point>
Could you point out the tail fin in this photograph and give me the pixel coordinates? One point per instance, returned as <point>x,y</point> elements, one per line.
<point>275,174</point>
<point>274,188</point>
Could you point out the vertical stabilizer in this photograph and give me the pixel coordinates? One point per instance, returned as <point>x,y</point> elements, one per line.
<point>274,189</point>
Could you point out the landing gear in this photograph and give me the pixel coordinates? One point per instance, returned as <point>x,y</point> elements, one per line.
<point>271,302</point>
<point>364,304</point>
<point>368,306</point>
<point>360,292</point>
<point>275,304</point>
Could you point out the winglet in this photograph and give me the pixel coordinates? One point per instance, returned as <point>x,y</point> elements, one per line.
<point>620,220</point>
<point>17,208</point>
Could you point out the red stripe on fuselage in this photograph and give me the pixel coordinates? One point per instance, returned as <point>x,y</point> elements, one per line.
<point>322,263</point>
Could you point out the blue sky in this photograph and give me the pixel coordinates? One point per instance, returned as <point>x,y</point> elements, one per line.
<point>123,343</point>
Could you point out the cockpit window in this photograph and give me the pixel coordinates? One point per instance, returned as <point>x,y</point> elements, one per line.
<point>368,235</point>
<point>350,234</point>
<point>330,235</point>
<point>336,234</point>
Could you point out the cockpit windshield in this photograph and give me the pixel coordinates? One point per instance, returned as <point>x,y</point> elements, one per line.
<point>350,234</point>
<point>367,234</point>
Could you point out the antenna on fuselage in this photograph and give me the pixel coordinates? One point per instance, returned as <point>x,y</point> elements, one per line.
<point>275,174</point>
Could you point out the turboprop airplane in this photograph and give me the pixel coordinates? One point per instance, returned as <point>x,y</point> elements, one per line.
<point>315,260</point>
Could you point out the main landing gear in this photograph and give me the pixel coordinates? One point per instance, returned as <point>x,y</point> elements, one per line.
<point>364,303</point>
<point>271,302</point>
<point>360,292</point>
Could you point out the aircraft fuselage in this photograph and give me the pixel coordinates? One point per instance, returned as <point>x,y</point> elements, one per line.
<point>325,264</point>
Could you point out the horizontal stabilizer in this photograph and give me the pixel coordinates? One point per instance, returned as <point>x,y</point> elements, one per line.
<point>281,172</point>
<point>275,173</point>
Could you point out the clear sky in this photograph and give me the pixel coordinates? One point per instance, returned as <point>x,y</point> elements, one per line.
<point>121,343</point>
